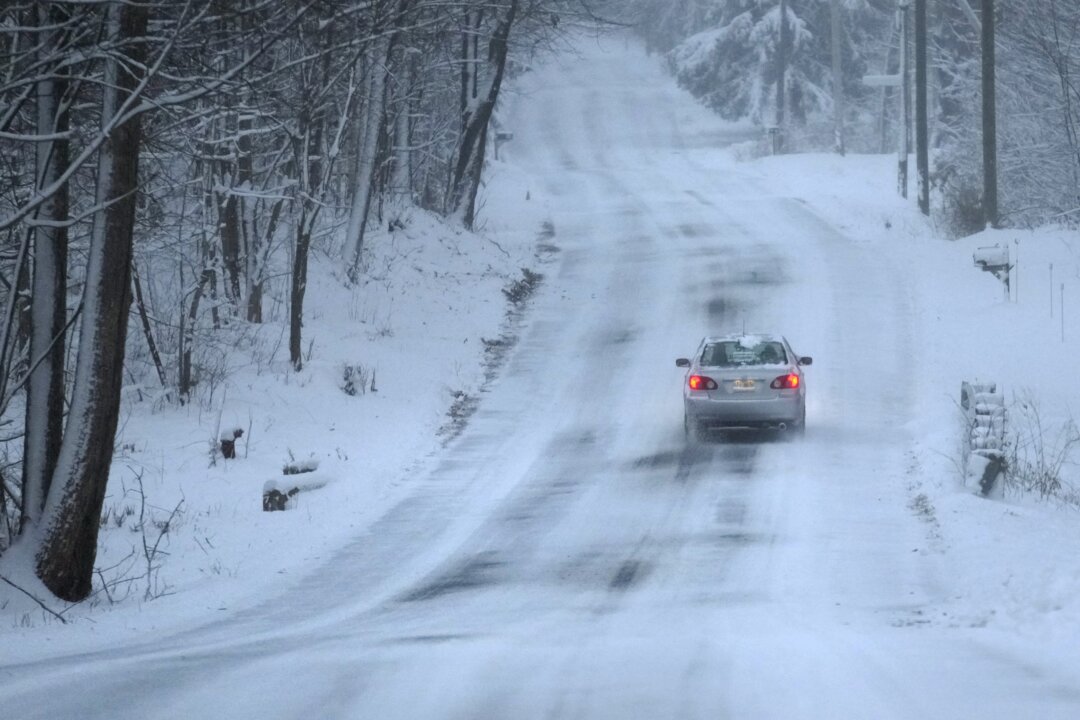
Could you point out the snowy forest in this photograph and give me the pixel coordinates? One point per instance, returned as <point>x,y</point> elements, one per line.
<point>728,53</point>
<point>167,170</point>
<point>169,167</point>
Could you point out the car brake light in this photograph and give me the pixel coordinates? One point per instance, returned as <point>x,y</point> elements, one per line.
<point>785,382</point>
<point>700,382</point>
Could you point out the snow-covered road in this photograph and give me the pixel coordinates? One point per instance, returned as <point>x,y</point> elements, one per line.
<point>569,556</point>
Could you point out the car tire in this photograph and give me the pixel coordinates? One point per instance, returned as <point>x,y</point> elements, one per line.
<point>796,430</point>
<point>693,430</point>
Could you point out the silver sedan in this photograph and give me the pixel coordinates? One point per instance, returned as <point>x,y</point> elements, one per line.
<point>744,381</point>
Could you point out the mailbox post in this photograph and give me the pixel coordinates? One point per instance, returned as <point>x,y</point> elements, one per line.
<point>995,259</point>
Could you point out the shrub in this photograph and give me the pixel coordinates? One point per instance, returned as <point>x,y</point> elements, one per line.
<point>1037,455</point>
<point>518,291</point>
<point>355,379</point>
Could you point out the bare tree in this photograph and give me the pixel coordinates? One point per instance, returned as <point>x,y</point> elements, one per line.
<point>316,143</point>
<point>478,107</point>
<point>387,24</point>
<point>68,539</point>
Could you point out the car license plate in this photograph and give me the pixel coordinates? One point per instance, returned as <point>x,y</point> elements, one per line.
<point>744,385</point>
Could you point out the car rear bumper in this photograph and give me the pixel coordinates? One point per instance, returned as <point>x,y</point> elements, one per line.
<point>765,412</point>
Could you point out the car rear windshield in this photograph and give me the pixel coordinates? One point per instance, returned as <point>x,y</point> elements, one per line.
<point>734,353</point>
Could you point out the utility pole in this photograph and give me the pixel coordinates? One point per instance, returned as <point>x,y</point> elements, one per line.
<point>900,82</point>
<point>838,79</point>
<point>905,98</point>
<point>989,119</point>
<point>922,140</point>
<point>781,73</point>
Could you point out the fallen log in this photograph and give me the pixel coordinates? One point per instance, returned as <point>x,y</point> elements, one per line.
<point>280,493</point>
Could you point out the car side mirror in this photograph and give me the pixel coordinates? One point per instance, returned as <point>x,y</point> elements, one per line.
<point>806,361</point>
<point>682,362</point>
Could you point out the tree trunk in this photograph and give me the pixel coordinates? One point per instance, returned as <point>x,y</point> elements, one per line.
<point>48,306</point>
<point>68,541</point>
<point>314,163</point>
<point>9,345</point>
<point>187,341</point>
<point>22,321</point>
<point>366,165</point>
<point>298,288</point>
<point>207,279</point>
<point>229,221</point>
<point>258,249</point>
<point>246,205</point>
<point>148,330</point>
<point>401,181</point>
<point>380,61</point>
<point>310,160</point>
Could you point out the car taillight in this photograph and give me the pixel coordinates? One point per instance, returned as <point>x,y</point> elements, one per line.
<point>700,382</point>
<point>785,382</point>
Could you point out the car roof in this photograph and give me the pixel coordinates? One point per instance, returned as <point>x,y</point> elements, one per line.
<point>749,339</point>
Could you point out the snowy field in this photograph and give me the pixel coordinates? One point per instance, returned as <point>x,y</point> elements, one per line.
<point>564,553</point>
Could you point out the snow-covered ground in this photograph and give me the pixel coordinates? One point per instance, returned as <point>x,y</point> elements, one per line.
<point>568,555</point>
<point>415,332</point>
<point>1013,562</point>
